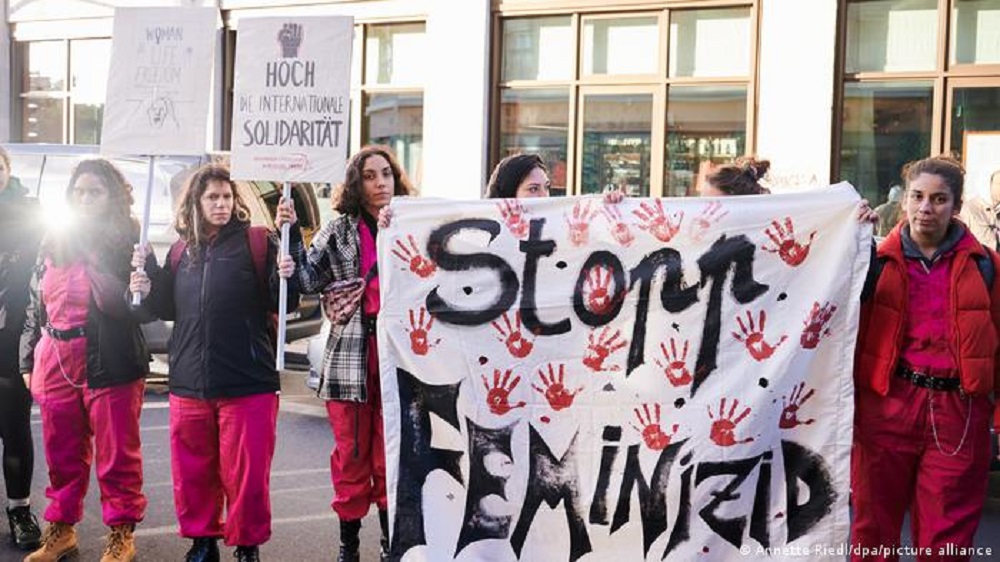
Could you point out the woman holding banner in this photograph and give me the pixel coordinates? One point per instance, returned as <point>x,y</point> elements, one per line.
<point>220,286</point>
<point>88,359</point>
<point>343,254</point>
<point>926,365</point>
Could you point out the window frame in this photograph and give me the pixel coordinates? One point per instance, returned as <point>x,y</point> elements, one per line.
<point>20,70</point>
<point>579,85</point>
<point>945,78</point>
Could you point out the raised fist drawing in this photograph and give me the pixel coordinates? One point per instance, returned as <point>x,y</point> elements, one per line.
<point>290,38</point>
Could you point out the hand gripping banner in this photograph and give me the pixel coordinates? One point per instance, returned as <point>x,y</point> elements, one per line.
<point>661,379</point>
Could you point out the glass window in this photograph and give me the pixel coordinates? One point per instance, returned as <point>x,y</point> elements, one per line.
<point>537,121</point>
<point>617,143</point>
<point>973,109</point>
<point>45,66</point>
<point>395,54</point>
<point>620,46</point>
<point>705,124</point>
<point>885,125</point>
<point>707,43</point>
<point>538,49</point>
<point>891,35</point>
<point>89,62</point>
<point>42,119</point>
<point>397,121</point>
<point>975,32</point>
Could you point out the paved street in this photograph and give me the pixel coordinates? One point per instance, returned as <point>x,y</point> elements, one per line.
<point>304,526</point>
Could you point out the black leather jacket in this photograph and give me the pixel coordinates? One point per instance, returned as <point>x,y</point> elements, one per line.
<point>20,230</point>
<point>116,348</point>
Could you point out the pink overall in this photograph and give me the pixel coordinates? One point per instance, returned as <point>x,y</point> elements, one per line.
<point>357,463</point>
<point>73,415</point>
<point>221,451</point>
<point>917,448</point>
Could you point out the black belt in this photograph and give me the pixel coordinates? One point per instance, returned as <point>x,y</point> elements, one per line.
<point>65,335</point>
<point>923,380</point>
<point>369,323</point>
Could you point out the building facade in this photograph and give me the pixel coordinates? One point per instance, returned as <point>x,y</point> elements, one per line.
<point>638,94</point>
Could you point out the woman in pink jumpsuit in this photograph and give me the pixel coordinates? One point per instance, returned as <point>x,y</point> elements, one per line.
<point>88,359</point>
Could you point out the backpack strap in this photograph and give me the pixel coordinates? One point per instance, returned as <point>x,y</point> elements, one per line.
<point>175,254</point>
<point>257,238</point>
<point>986,267</point>
<point>987,270</point>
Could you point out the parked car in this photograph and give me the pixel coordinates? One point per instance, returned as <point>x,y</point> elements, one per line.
<point>44,170</point>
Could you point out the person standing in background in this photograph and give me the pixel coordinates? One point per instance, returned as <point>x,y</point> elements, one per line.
<point>981,215</point>
<point>20,232</point>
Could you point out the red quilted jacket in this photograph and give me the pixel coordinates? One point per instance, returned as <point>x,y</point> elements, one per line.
<point>975,313</point>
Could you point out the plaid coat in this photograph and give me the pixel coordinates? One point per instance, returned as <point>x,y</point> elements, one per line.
<point>335,256</point>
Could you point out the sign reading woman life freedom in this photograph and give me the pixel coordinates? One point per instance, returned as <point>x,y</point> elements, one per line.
<point>291,98</point>
<point>660,379</point>
<point>159,82</point>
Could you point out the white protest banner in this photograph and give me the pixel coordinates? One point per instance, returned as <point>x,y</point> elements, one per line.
<point>291,98</point>
<point>159,83</point>
<point>662,379</point>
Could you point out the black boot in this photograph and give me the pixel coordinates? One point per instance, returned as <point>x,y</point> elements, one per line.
<point>24,531</point>
<point>247,554</point>
<point>383,521</point>
<point>349,541</point>
<point>204,549</point>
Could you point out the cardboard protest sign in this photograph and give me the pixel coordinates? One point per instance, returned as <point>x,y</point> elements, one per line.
<point>159,83</point>
<point>661,379</point>
<point>291,98</point>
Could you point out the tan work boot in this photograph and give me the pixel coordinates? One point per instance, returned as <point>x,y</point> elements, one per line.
<point>58,542</point>
<point>121,544</point>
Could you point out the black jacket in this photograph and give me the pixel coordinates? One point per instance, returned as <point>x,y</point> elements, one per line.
<point>219,347</point>
<point>116,348</point>
<point>20,233</point>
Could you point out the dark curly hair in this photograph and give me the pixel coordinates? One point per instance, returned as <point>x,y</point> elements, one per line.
<point>109,237</point>
<point>350,195</point>
<point>509,174</point>
<point>944,166</point>
<point>742,177</point>
<point>188,219</point>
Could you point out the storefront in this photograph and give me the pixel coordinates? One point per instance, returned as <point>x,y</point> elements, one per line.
<point>637,94</point>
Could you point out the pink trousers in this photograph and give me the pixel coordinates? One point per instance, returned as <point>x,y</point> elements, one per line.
<point>897,463</point>
<point>78,422</point>
<point>221,451</point>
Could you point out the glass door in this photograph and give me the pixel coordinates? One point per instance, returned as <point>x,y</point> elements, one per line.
<point>615,139</point>
<point>973,127</point>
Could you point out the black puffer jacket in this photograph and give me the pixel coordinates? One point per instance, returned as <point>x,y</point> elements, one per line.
<point>219,347</point>
<point>116,349</point>
<point>20,233</point>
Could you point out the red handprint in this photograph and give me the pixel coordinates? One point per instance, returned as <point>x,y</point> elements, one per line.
<point>785,245</point>
<point>579,223</point>
<point>649,427</point>
<point>709,216</point>
<point>601,346</point>
<point>420,265</point>
<point>498,395</point>
<point>619,230</point>
<point>513,214</point>
<point>655,221</point>
<point>555,389</point>
<point>753,337</point>
<point>816,325</point>
<point>597,290</point>
<point>790,412</point>
<point>418,332</point>
<point>518,345</point>
<point>722,428</point>
<point>676,368</point>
